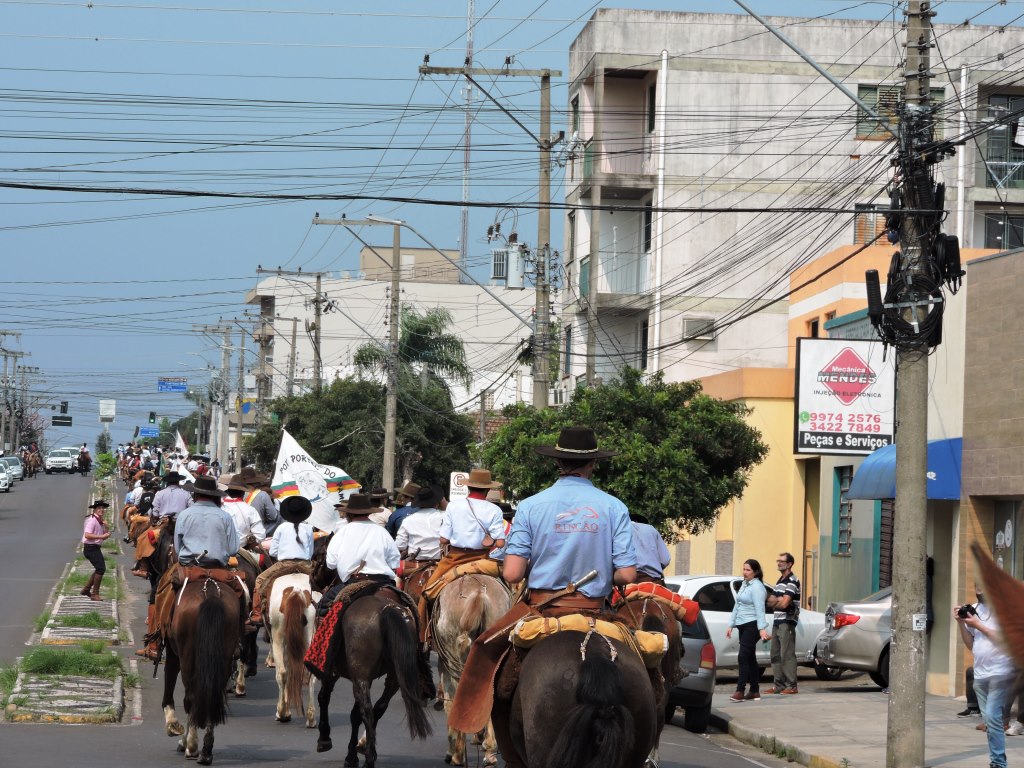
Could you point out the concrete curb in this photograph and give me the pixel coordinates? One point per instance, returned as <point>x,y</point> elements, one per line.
<point>770,743</point>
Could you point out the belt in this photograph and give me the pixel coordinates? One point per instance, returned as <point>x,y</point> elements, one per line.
<point>195,561</point>
<point>465,551</point>
<point>577,600</point>
<point>369,577</point>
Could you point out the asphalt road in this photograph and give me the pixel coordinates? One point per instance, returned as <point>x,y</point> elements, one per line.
<point>40,530</point>
<point>251,735</point>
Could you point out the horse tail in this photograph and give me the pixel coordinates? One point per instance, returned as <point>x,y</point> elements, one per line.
<point>598,731</point>
<point>401,646</point>
<point>294,627</point>
<point>473,611</point>
<point>210,671</point>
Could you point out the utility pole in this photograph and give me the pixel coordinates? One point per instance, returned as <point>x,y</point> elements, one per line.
<point>12,384</point>
<point>3,407</point>
<point>18,422</point>
<point>467,141</point>
<point>221,417</point>
<point>394,323</point>
<point>544,143</point>
<point>318,303</point>
<point>238,398</point>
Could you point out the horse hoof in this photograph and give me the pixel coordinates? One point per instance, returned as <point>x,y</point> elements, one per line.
<point>491,760</point>
<point>351,762</point>
<point>239,694</point>
<point>439,705</point>
<point>250,670</point>
<point>324,745</point>
<point>176,729</point>
<point>205,760</point>
<point>285,719</point>
<point>181,747</point>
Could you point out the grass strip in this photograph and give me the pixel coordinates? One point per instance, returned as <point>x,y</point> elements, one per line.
<point>41,620</point>
<point>53,661</point>
<point>91,620</point>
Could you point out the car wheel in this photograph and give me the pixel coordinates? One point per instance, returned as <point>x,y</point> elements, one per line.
<point>695,719</point>
<point>881,677</point>
<point>827,673</point>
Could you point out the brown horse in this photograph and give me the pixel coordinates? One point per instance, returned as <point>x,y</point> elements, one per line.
<point>201,645</point>
<point>463,610</point>
<point>573,713</point>
<point>380,641</point>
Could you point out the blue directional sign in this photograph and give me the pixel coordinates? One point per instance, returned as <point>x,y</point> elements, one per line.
<point>176,384</point>
<point>149,431</point>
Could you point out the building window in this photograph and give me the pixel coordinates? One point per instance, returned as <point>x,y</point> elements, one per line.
<point>698,329</point>
<point>1004,154</point>
<point>812,328</point>
<point>585,277</point>
<point>643,345</point>
<point>867,223</point>
<point>567,356</point>
<point>1003,231</point>
<point>648,226</point>
<point>652,107</point>
<point>842,529</point>
<point>575,114</point>
<point>886,101</point>
<point>570,252</point>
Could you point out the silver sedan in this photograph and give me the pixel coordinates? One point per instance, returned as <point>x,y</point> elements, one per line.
<point>857,636</point>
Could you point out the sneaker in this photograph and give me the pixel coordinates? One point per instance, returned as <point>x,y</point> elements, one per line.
<point>969,712</point>
<point>738,696</point>
<point>789,691</point>
<point>752,696</point>
<point>1016,729</point>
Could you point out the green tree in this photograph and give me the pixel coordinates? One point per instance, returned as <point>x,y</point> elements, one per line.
<point>682,455</point>
<point>166,438</point>
<point>344,426</point>
<point>425,346</point>
<point>103,442</point>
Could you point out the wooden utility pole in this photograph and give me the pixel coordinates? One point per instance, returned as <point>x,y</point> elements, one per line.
<point>219,425</point>
<point>238,398</point>
<point>318,304</point>
<point>544,142</point>
<point>394,323</point>
<point>909,612</point>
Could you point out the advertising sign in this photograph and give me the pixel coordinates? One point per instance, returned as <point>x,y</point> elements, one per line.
<point>845,397</point>
<point>108,410</point>
<point>457,486</point>
<point>174,384</point>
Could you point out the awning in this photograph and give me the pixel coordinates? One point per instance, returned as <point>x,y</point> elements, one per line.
<point>876,477</point>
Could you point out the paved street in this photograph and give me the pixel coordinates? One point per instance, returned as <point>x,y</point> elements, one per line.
<point>40,527</point>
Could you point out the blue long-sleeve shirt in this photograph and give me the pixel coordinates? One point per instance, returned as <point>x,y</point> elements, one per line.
<point>749,606</point>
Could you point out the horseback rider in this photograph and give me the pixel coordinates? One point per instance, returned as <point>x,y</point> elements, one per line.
<point>248,522</point>
<point>557,536</point>
<point>259,499</point>
<point>419,536</point>
<point>173,499</point>
<point>361,550</point>
<point>292,546</point>
<point>652,553</point>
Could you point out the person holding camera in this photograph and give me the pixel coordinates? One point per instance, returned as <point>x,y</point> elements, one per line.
<point>994,673</point>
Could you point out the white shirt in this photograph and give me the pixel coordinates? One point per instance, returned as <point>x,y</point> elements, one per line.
<point>246,518</point>
<point>363,544</point>
<point>193,466</point>
<point>989,659</point>
<point>420,535</point>
<point>464,521</point>
<point>135,494</point>
<point>285,547</point>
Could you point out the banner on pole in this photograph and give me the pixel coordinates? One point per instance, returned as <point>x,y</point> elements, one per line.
<point>297,474</point>
<point>180,446</point>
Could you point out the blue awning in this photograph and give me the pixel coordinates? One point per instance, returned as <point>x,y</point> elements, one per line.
<point>876,477</point>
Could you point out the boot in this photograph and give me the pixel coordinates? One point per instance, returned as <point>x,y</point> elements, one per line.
<point>255,620</point>
<point>95,594</point>
<point>152,648</point>
<point>87,589</point>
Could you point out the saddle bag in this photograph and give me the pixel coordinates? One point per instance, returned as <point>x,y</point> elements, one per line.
<point>650,646</point>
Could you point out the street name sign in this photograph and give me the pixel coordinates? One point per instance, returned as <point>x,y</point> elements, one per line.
<point>174,384</point>
<point>61,421</point>
<point>149,431</point>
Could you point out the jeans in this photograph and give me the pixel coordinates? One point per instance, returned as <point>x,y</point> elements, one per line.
<point>784,655</point>
<point>750,673</point>
<point>993,699</point>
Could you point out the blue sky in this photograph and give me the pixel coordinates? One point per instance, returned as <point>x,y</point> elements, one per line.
<point>303,96</point>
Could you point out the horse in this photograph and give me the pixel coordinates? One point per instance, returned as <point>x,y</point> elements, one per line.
<point>463,610</point>
<point>571,713</point>
<point>248,650</point>
<point>201,645</point>
<point>292,614</point>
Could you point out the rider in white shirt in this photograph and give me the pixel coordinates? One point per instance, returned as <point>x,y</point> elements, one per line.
<point>247,520</point>
<point>363,549</point>
<point>419,536</point>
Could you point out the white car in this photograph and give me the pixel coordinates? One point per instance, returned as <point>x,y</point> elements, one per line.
<point>5,479</point>
<point>14,467</point>
<point>58,460</point>
<point>716,596</point>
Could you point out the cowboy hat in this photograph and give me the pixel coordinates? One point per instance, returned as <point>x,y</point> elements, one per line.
<point>360,505</point>
<point>409,489</point>
<point>205,486</point>
<point>579,443</point>
<point>480,478</point>
<point>250,476</point>
<point>98,503</point>
<point>173,478</point>
<point>295,509</point>
<point>636,517</point>
<point>426,498</point>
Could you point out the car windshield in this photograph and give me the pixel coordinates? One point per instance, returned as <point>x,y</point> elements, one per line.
<point>60,455</point>
<point>877,597</point>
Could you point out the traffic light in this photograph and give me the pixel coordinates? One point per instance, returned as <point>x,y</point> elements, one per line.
<point>152,417</point>
<point>63,406</point>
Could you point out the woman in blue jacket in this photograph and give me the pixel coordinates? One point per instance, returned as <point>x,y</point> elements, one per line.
<point>748,617</point>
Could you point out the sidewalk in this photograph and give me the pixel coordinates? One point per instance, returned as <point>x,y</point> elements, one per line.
<point>841,728</point>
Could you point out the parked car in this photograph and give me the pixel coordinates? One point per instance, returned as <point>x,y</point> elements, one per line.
<point>5,479</point>
<point>694,690</point>
<point>857,636</point>
<point>58,460</point>
<point>14,467</point>
<point>716,596</point>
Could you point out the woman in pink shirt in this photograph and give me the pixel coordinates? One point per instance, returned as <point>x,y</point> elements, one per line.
<point>94,533</point>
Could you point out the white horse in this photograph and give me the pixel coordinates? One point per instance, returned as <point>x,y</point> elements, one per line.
<point>292,612</point>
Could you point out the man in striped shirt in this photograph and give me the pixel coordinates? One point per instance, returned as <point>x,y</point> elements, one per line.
<point>785,601</point>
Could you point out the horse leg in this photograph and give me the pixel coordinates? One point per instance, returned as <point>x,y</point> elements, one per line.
<point>239,667</point>
<point>366,709</point>
<point>307,679</point>
<point>171,670</point>
<point>355,720</point>
<point>323,742</point>
<point>206,755</point>
<point>390,689</point>
<point>283,714</point>
<point>490,745</point>
<point>190,741</point>
<point>456,739</point>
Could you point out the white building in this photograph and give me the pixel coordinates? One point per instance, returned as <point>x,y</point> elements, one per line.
<point>679,119</point>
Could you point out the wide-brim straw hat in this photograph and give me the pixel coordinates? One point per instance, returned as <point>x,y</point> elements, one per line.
<point>409,489</point>
<point>205,486</point>
<point>250,476</point>
<point>360,505</point>
<point>295,509</point>
<point>480,478</point>
<point>579,443</point>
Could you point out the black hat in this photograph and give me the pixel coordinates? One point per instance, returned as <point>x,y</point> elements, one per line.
<point>173,478</point>
<point>636,517</point>
<point>426,498</point>
<point>98,503</point>
<point>205,486</point>
<point>578,443</point>
<point>295,509</point>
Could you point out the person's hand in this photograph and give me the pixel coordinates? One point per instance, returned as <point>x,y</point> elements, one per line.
<point>764,634</point>
<point>728,633</point>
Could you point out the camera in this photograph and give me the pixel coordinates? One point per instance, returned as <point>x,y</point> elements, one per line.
<point>966,610</point>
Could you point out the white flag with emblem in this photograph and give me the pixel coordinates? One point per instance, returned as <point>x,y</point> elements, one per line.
<point>296,473</point>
